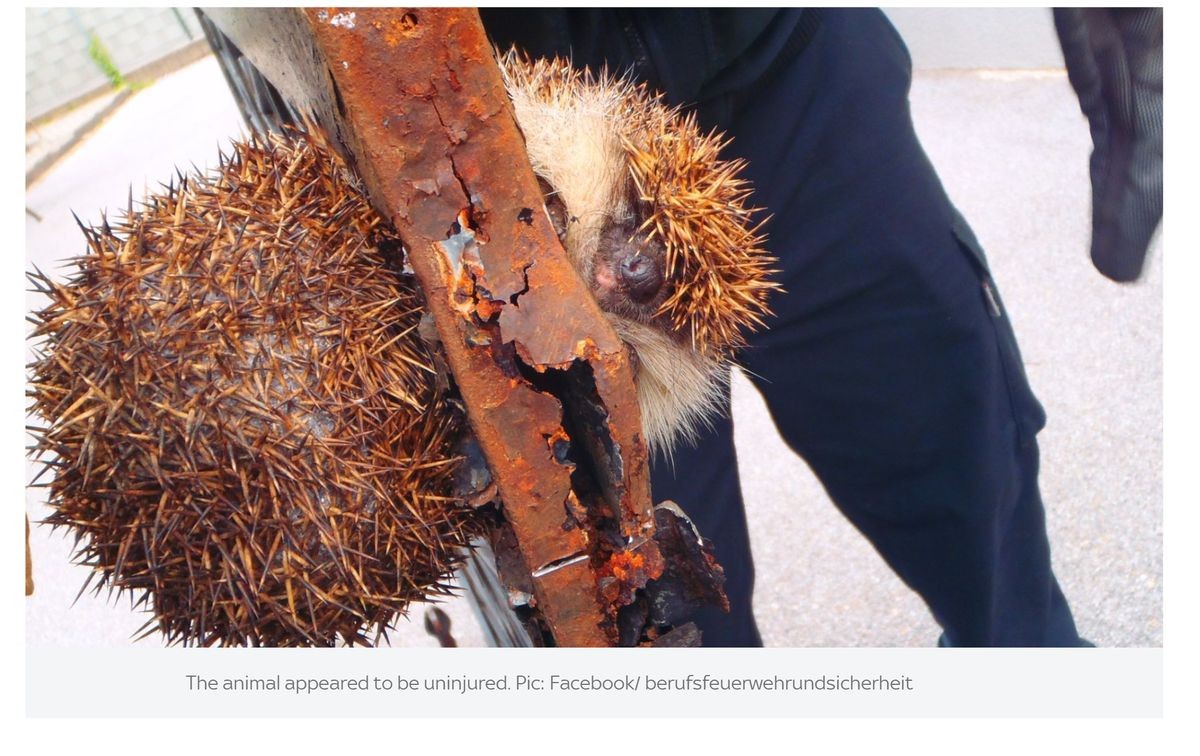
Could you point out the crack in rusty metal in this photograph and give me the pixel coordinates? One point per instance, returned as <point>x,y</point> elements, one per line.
<point>559,564</point>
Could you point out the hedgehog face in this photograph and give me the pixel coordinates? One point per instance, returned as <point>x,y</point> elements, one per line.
<point>655,224</point>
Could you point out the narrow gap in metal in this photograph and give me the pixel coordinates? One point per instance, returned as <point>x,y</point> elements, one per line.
<point>558,564</point>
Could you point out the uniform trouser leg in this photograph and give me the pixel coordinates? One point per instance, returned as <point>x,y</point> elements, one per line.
<point>890,366</point>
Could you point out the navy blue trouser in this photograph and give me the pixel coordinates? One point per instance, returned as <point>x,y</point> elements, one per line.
<point>890,365</point>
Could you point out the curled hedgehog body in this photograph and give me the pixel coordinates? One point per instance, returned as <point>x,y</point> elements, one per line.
<point>243,425</point>
<point>655,223</point>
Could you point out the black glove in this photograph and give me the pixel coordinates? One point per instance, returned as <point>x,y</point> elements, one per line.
<point>1114,61</point>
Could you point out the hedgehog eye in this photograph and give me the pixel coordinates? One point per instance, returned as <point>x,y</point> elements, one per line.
<point>555,208</point>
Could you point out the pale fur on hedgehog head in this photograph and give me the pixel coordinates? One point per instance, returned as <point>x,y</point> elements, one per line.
<point>657,226</point>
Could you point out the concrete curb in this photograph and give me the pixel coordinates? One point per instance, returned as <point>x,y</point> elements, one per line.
<point>40,168</point>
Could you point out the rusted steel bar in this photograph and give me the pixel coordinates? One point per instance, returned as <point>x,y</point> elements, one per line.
<point>415,99</point>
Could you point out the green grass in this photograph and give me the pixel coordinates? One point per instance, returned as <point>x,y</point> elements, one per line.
<point>103,60</point>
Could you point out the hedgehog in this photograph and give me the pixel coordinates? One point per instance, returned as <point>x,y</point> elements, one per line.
<point>245,428</point>
<point>658,226</point>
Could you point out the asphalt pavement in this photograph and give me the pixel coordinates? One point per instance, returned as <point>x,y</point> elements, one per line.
<point>1012,150</point>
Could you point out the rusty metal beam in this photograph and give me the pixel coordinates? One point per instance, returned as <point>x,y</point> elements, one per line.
<point>415,99</point>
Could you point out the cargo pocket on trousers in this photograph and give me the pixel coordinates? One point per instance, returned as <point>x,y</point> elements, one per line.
<point>1027,411</point>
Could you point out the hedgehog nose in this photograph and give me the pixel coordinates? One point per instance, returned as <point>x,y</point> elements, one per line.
<point>641,276</point>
